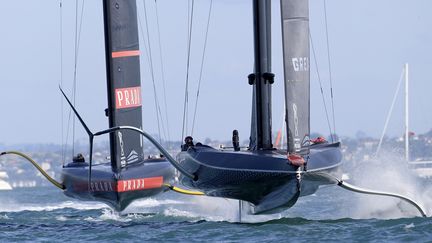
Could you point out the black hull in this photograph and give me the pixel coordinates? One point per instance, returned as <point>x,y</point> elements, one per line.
<point>264,178</point>
<point>118,190</point>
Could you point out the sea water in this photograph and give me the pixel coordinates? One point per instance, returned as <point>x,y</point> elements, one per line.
<point>44,214</point>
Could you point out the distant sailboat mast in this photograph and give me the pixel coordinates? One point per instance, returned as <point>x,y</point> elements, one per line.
<point>407,157</point>
<point>421,167</point>
<point>403,77</point>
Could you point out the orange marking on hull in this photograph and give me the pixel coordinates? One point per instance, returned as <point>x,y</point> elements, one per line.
<point>154,182</point>
<point>139,184</point>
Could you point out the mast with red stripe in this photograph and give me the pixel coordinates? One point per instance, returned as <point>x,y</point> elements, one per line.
<point>123,80</point>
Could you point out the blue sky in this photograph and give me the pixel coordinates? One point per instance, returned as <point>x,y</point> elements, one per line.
<point>369,43</point>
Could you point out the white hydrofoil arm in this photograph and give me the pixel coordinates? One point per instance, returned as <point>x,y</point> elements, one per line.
<point>353,188</point>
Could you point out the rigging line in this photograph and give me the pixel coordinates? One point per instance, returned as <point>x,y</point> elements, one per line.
<point>148,62</point>
<point>202,65</point>
<point>162,71</point>
<point>61,81</point>
<point>186,111</point>
<point>75,74</point>
<point>389,114</point>
<point>185,106</point>
<point>186,85</point>
<point>158,113</point>
<point>329,65</point>
<point>159,109</point>
<point>189,17</point>
<point>321,87</point>
<point>77,42</point>
<point>67,130</point>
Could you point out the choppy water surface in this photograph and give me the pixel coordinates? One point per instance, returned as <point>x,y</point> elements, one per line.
<point>46,215</point>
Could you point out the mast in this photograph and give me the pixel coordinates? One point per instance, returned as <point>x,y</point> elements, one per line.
<point>123,80</point>
<point>406,115</point>
<point>262,78</point>
<point>295,36</point>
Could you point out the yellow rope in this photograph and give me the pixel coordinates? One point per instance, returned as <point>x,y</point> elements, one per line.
<point>49,178</point>
<point>184,191</point>
<point>61,186</point>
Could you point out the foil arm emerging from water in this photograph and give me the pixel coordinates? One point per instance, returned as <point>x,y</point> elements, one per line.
<point>353,188</point>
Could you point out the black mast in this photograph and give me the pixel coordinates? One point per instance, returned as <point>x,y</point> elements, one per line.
<point>123,80</point>
<point>261,135</point>
<point>108,78</point>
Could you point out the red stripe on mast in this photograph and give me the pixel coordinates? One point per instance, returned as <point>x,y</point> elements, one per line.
<point>117,54</point>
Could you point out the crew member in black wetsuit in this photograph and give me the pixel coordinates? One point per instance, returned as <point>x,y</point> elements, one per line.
<point>79,158</point>
<point>188,143</point>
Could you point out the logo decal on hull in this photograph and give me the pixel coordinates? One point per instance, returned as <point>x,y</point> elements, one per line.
<point>101,186</point>
<point>139,184</point>
<point>125,185</point>
<point>128,97</point>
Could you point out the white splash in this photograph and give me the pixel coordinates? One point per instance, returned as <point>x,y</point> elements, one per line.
<point>151,206</point>
<point>52,207</point>
<point>153,202</point>
<point>389,173</point>
<point>409,226</point>
<point>109,214</point>
<point>180,213</point>
<point>216,209</point>
<point>91,219</point>
<point>61,218</point>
